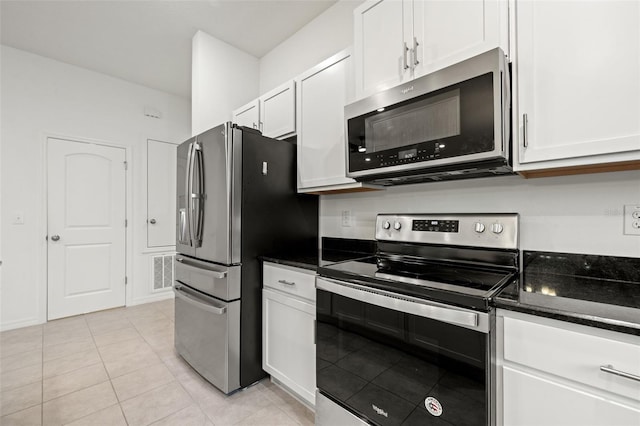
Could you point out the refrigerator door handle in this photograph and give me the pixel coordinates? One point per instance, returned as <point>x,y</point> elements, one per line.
<point>197,194</point>
<point>187,194</point>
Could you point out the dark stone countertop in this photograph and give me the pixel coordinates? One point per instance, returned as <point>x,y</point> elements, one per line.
<point>333,250</point>
<point>598,291</point>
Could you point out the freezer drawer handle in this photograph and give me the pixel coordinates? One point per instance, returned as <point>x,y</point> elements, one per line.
<point>609,369</point>
<point>181,294</point>
<point>286,282</point>
<point>216,274</point>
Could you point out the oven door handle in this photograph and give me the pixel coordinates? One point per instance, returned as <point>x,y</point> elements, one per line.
<point>411,305</point>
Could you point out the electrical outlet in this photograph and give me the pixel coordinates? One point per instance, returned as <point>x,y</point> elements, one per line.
<point>346,218</point>
<point>632,219</point>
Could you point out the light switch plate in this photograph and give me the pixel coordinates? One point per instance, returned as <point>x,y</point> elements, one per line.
<point>18,218</point>
<point>632,219</point>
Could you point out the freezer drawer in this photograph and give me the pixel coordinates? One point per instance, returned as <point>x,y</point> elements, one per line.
<point>218,281</point>
<point>207,336</point>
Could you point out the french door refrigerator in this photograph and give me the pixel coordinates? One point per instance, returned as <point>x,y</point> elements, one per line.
<point>236,200</point>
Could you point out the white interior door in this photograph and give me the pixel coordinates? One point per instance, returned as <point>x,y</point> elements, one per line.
<point>86,226</point>
<point>161,194</point>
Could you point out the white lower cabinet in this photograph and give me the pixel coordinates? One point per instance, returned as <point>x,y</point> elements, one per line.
<point>534,400</point>
<point>549,373</point>
<point>288,329</point>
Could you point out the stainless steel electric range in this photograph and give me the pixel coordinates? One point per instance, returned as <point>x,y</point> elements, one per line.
<point>406,337</point>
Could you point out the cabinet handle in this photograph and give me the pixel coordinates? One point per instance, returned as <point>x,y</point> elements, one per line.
<point>415,52</point>
<point>525,130</point>
<point>286,282</point>
<point>609,369</point>
<point>404,56</point>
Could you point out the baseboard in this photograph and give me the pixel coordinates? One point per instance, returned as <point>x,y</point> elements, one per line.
<point>165,295</point>
<point>20,324</point>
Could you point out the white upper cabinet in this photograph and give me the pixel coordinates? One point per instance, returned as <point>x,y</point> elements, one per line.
<point>273,113</point>
<point>278,111</point>
<point>398,40</point>
<point>448,31</point>
<point>248,115</point>
<point>381,45</point>
<point>577,76</point>
<point>323,91</point>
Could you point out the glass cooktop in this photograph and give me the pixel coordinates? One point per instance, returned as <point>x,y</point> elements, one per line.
<point>458,284</point>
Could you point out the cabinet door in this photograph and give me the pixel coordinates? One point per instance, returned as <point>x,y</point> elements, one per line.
<point>446,32</point>
<point>248,115</point>
<point>578,69</point>
<point>278,111</point>
<point>322,93</point>
<point>288,349</point>
<point>161,190</point>
<point>532,400</point>
<point>381,40</point>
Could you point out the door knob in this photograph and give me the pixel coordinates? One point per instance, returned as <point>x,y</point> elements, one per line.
<point>55,237</point>
<point>152,221</point>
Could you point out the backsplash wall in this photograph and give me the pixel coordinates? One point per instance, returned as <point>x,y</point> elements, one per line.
<point>577,214</point>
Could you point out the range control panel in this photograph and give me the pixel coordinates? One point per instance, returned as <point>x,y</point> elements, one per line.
<point>435,225</point>
<point>499,230</point>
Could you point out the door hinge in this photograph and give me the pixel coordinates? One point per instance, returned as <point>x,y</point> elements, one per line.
<point>126,223</point>
<point>126,165</point>
<point>126,280</point>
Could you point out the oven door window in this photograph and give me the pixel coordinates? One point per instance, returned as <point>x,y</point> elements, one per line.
<point>393,368</point>
<point>451,122</point>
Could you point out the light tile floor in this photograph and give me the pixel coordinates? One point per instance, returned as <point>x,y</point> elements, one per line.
<point>119,367</point>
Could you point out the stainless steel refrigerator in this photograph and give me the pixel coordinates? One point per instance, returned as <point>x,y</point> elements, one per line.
<point>236,201</point>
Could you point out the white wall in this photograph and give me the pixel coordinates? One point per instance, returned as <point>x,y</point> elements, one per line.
<point>326,35</point>
<point>43,97</point>
<point>576,214</point>
<point>223,79</point>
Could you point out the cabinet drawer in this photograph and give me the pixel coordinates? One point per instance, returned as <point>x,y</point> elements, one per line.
<point>294,281</point>
<point>575,355</point>
<point>538,401</point>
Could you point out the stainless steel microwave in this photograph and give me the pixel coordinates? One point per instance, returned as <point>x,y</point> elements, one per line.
<point>451,124</point>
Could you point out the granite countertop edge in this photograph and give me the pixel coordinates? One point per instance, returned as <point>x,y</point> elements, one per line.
<point>567,316</point>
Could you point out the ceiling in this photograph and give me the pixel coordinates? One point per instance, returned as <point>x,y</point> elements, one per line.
<point>149,42</point>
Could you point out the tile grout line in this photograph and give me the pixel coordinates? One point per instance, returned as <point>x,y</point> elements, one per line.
<point>108,376</point>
